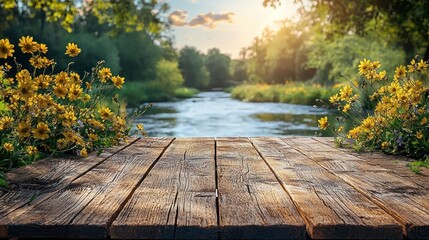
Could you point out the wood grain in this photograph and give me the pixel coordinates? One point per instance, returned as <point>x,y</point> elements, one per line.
<point>252,203</point>
<point>84,208</point>
<point>330,208</point>
<point>403,199</point>
<point>177,199</point>
<point>34,183</point>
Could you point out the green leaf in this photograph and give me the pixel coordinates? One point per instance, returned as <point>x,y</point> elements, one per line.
<point>3,183</point>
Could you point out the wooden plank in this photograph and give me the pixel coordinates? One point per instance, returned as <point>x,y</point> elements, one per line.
<point>252,203</point>
<point>395,164</point>
<point>106,186</point>
<point>34,183</point>
<point>177,199</point>
<point>405,200</point>
<point>330,208</point>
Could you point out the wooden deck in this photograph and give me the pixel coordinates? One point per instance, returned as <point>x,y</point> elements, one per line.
<point>252,188</point>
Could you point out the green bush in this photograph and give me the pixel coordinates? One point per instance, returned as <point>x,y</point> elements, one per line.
<point>184,92</point>
<point>296,93</point>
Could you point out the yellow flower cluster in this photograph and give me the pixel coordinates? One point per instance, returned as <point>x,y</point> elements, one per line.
<point>398,121</point>
<point>60,112</point>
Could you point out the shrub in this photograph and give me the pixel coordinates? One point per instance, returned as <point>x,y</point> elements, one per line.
<point>42,113</point>
<point>184,92</point>
<point>391,115</point>
<point>295,93</point>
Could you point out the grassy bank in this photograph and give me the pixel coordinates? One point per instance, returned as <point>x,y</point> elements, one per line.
<point>296,93</point>
<point>137,93</point>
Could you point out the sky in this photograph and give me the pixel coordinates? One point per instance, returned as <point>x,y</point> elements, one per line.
<point>225,24</point>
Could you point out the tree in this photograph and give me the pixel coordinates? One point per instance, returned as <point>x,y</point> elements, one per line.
<point>168,75</point>
<point>138,56</point>
<point>218,66</point>
<point>124,15</point>
<point>403,21</point>
<point>191,64</point>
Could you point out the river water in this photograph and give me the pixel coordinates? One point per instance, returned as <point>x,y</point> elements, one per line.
<point>215,114</point>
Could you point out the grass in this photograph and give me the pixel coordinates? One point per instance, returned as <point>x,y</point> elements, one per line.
<point>137,93</point>
<point>184,92</point>
<point>296,93</point>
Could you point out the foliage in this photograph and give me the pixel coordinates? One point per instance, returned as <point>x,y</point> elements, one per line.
<point>184,92</point>
<point>407,20</point>
<point>277,57</point>
<point>52,113</point>
<point>217,65</point>
<point>338,57</point>
<point>296,93</point>
<point>126,15</point>
<point>169,76</point>
<point>138,56</point>
<point>191,64</point>
<point>163,88</point>
<point>392,114</point>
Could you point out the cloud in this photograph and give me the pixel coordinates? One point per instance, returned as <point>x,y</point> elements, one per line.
<point>210,20</point>
<point>178,18</point>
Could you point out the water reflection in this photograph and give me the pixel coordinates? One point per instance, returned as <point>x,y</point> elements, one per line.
<point>215,114</point>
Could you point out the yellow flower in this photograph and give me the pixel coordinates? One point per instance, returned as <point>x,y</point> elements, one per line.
<point>62,143</point>
<point>368,124</point>
<point>6,49</point>
<point>75,91</point>
<point>8,147</point>
<point>346,92</point>
<point>42,131</point>
<point>400,72</point>
<point>105,113</point>
<point>424,121</point>
<point>394,87</point>
<point>422,65</point>
<point>419,135</point>
<point>346,107</point>
<point>104,74</point>
<point>375,65</point>
<point>27,44</point>
<point>323,123</point>
<point>118,81</point>
<point>31,150</point>
<point>140,127</point>
<point>93,137</point>
<point>354,133</point>
<point>43,81</point>
<point>83,153</point>
<point>385,145</point>
<point>61,78</point>
<point>86,98</point>
<point>23,129</point>
<point>68,119</point>
<point>75,78</point>
<point>42,48</point>
<point>364,67</point>
<point>380,76</point>
<point>60,91</point>
<point>341,128</point>
<point>334,98</point>
<point>5,122</point>
<point>72,50</point>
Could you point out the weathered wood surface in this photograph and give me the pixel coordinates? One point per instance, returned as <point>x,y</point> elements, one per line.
<point>330,207</point>
<point>252,203</point>
<point>178,197</point>
<point>254,188</point>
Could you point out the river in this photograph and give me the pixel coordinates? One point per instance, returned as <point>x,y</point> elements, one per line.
<point>215,114</point>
